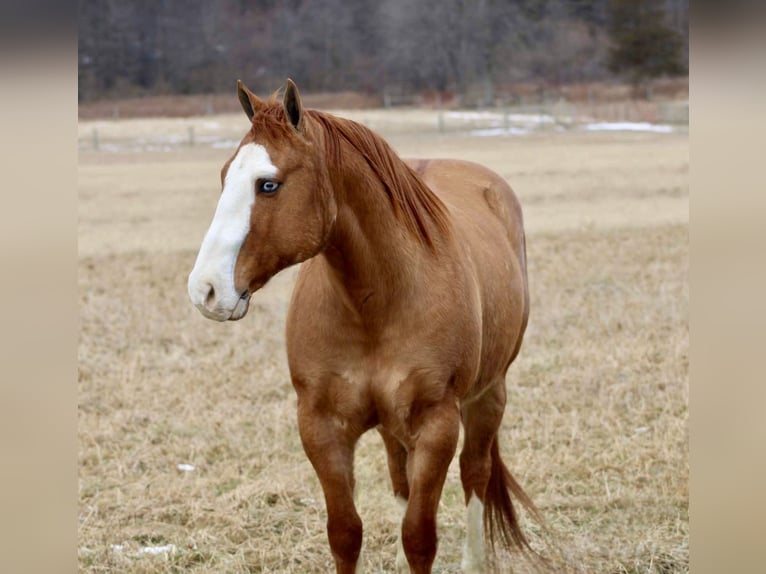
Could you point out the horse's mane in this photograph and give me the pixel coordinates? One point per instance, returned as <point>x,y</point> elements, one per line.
<point>414,204</point>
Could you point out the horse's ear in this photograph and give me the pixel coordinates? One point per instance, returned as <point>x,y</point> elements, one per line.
<point>293,105</point>
<point>249,101</point>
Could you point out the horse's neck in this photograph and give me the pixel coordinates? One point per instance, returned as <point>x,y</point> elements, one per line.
<point>370,251</point>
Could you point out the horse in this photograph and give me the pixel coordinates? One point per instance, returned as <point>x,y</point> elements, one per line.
<point>409,307</point>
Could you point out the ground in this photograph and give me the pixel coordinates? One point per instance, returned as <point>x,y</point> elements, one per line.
<point>596,427</point>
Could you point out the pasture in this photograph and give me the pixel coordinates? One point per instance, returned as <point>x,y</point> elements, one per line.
<point>190,459</point>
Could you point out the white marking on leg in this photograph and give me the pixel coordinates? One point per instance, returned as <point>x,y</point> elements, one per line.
<point>402,566</point>
<point>473,549</point>
<point>217,256</point>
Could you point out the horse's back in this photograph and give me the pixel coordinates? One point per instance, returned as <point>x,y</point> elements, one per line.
<point>476,196</point>
<point>488,222</point>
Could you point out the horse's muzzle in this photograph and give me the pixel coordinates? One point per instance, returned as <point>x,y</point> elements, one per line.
<point>240,310</point>
<point>218,310</point>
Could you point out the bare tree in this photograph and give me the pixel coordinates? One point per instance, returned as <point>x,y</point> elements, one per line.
<point>131,47</point>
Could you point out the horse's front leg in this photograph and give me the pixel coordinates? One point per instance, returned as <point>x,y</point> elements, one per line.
<point>436,432</point>
<point>329,443</point>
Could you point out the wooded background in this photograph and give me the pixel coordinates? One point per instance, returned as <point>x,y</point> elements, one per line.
<point>472,49</point>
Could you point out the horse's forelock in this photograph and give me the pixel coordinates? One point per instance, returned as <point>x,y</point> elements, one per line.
<point>272,122</point>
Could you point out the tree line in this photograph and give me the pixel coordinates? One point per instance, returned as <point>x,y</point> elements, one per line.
<point>467,47</point>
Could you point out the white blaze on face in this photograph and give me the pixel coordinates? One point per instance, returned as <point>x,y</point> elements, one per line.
<point>211,282</point>
<point>473,550</point>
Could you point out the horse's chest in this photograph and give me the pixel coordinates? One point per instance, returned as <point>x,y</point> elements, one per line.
<point>395,390</point>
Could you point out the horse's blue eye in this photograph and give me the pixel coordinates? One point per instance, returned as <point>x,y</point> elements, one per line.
<point>268,186</point>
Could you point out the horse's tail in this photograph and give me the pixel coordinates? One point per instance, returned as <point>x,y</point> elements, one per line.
<point>501,521</point>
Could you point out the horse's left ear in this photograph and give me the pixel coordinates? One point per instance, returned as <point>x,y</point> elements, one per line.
<point>293,105</point>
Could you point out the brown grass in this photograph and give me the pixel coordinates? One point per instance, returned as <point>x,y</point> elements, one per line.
<point>596,425</point>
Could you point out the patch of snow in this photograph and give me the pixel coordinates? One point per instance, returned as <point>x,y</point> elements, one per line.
<point>185,467</point>
<point>158,148</point>
<point>498,118</point>
<point>628,127</point>
<point>154,550</point>
<point>117,547</point>
<point>500,132</point>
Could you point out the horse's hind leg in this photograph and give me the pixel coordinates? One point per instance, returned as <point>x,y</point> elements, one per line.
<point>481,419</point>
<point>487,483</point>
<point>397,468</point>
<point>330,448</point>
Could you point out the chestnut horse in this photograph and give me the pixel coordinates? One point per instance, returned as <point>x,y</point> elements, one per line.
<point>409,309</point>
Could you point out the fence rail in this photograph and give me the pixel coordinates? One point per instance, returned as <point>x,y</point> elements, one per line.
<point>168,134</point>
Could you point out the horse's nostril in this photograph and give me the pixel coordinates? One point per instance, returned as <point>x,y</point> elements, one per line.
<point>210,299</point>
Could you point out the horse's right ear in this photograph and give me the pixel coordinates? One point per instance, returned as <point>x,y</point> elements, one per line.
<point>251,103</point>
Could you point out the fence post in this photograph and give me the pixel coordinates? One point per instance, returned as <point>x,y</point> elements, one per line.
<point>191,136</point>
<point>440,121</point>
<point>95,139</point>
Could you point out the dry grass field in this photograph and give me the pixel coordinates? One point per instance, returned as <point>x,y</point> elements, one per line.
<point>596,423</point>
